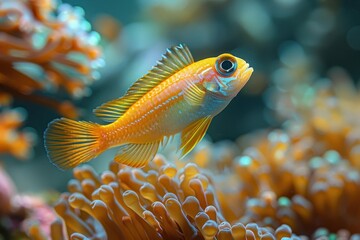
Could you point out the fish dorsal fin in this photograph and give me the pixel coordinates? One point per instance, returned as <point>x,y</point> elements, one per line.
<point>193,134</point>
<point>113,109</point>
<point>137,155</point>
<point>175,59</point>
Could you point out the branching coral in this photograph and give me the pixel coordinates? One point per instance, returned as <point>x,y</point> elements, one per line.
<point>43,45</point>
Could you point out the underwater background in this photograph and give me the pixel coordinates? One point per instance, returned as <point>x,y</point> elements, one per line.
<point>282,160</point>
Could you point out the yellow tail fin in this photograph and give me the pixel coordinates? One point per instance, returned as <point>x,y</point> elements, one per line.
<point>69,143</point>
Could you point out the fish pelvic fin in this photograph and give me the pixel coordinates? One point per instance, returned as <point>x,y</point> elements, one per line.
<point>193,134</point>
<point>137,155</point>
<point>69,143</point>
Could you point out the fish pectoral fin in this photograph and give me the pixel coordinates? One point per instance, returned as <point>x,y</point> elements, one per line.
<point>137,155</point>
<point>194,95</point>
<point>193,134</point>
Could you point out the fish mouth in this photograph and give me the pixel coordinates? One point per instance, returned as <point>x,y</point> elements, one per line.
<point>246,72</point>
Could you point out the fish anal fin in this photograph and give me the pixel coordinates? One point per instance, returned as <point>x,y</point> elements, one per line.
<point>137,155</point>
<point>194,95</point>
<point>193,134</point>
<point>175,59</point>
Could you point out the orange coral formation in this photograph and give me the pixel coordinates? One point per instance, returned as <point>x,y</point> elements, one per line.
<point>325,111</point>
<point>12,141</point>
<point>43,45</point>
<point>157,202</point>
<point>305,193</point>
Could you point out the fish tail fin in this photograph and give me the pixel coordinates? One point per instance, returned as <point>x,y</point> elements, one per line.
<point>69,143</point>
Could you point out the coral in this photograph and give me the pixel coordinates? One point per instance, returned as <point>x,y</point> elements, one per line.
<point>281,186</point>
<point>36,212</point>
<point>7,192</point>
<point>328,115</point>
<point>12,141</point>
<point>44,45</point>
<point>19,212</point>
<point>157,202</point>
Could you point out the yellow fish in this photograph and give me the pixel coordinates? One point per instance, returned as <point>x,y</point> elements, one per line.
<point>178,95</point>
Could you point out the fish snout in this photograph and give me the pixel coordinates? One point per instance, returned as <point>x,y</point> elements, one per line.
<point>243,75</point>
<point>246,72</point>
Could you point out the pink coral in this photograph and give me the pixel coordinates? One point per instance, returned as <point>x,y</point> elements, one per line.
<point>37,213</point>
<point>7,192</point>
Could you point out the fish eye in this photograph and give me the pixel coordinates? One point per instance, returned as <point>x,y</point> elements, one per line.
<point>226,65</point>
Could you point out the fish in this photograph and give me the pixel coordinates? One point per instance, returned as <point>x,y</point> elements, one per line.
<point>177,96</point>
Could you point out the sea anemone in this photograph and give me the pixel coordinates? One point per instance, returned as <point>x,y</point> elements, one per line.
<point>157,202</point>
<point>305,193</point>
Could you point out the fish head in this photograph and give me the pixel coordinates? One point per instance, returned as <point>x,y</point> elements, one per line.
<point>226,76</point>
